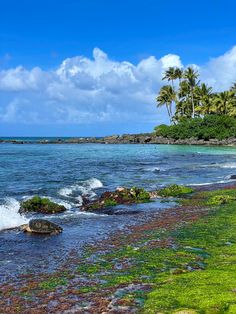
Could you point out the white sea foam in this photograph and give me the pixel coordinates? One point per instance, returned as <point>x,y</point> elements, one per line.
<point>9,215</point>
<point>84,187</point>
<point>153,169</point>
<point>74,214</point>
<point>229,165</point>
<point>66,191</point>
<point>67,205</point>
<point>211,183</point>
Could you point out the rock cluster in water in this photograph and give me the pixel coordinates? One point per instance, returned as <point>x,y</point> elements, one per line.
<point>120,196</point>
<point>41,205</point>
<point>143,138</point>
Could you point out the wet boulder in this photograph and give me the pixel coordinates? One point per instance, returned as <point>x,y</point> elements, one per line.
<point>119,197</point>
<point>41,205</point>
<point>41,226</point>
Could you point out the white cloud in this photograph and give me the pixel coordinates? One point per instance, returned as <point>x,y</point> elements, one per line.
<point>83,90</point>
<point>221,72</point>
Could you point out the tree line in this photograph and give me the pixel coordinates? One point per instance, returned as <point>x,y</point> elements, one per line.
<point>187,97</point>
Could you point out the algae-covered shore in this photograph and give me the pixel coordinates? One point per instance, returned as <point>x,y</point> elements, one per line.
<point>182,260</point>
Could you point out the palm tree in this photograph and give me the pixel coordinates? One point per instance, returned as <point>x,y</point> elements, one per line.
<point>204,99</point>
<point>191,76</point>
<point>233,87</point>
<point>169,75</point>
<point>224,103</point>
<point>183,103</point>
<point>166,97</point>
<point>178,74</point>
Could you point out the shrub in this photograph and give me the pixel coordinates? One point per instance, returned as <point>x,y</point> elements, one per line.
<point>210,127</point>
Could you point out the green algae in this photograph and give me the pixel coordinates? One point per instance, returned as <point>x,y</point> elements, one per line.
<point>41,205</point>
<point>212,290</point>
<point>175,190</point>
<point>194,271</point>
<point>221,199</point>
<point>52,283</point>
<point>110,202</point>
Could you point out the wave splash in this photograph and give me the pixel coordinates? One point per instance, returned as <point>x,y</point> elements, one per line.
<point>85,188</point>
<point>9,215</point>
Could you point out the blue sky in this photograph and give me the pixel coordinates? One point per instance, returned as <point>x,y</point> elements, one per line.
<point>115,52</point>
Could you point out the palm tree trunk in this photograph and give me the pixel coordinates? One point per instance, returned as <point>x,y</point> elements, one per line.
<point>193,107</point>
<point>169,113</point>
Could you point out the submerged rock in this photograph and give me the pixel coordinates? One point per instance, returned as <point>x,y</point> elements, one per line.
<point>41,205</point>
<point>41,226</point>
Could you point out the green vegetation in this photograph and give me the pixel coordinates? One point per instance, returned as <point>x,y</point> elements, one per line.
<point>211,290</point>
<point>139,194</point>
<point>208,127</point>
<point>122,196</point>
<point>194,109</point>
<point>52,283</point>
<point>196,275</point>
<point>109,202</point>
<point>41,205</point>
<point>221,199</point>
<point>175,190</point>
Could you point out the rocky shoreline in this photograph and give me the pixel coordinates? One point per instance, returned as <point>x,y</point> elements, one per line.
<point>187,247</point>
<point>143,138</point>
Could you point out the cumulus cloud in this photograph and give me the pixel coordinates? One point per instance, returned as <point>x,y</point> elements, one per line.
<point>83,90</point>
<point>221,72</point>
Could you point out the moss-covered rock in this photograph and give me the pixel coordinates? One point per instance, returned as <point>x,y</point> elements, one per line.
<point>41,205</point>
<point>175,190</point>
<point>120,196</point>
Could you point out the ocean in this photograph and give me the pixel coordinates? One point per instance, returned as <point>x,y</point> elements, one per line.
<point>66,172</point>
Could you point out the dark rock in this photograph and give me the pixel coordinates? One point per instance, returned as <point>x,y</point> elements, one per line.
<point>147,139</point>
<point>42,226</point>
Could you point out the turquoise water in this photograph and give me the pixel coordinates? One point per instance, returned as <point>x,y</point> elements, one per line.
<point>66,172</point>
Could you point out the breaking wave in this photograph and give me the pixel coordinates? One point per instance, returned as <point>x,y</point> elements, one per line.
<point>9,215</point>
<point>84,188</point>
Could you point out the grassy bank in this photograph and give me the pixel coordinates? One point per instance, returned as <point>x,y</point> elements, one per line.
<point>183,261</point>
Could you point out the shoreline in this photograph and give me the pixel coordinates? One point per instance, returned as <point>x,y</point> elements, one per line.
<point>144,138</point>
<point>118,275</point>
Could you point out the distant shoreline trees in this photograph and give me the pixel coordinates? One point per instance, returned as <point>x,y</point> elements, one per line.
<point>187,97</point>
